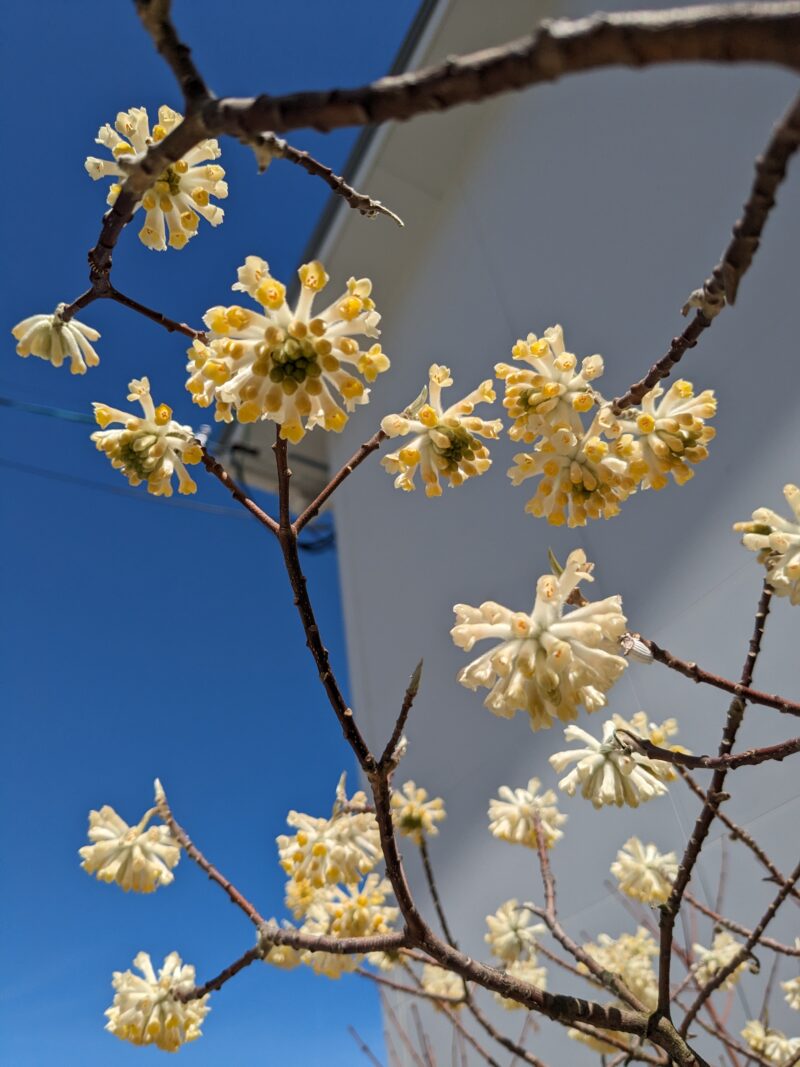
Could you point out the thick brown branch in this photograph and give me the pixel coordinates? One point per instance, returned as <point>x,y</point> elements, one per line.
<point>750,758</point>
<point>725,972</point>
<point>754,33</point>
<point>737,928</point>
<point>721,287</point>
<point>669,911</point>
<point>355,460</point>
<point>156,19</point>
<point>194,853</point>
<point>697,674</point>
<point>272,934</point>
<point>213,466</point>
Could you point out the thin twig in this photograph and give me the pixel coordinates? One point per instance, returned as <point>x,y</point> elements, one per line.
<point>355,460</point>
<point>213,466</point>
<point>737,928</point>
<point>205,865</point>
<point>219,981</point>
<point>751,757</point>
<point>363,1046</point>
<point>387,758</point>
<point>725,972</point>
<point>669,910</point>
<point>102,289</point>
<point>721,287</point>
<point>432,888</point>
<point>412,991</point>
<point>697,674</point>
<point>388,1011</point>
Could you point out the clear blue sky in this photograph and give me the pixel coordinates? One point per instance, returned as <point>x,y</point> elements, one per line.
<point>140,638</point>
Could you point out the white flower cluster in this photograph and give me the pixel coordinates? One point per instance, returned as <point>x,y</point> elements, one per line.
<point>180,194</point>
<point>52,338</point>
<point>608,771</point>
<point>326,861</point>
<point>511,936</point>
<point>547,663</point>
<point>441,983</point>
<point>777,541</point>
<point>644,873</point>
<point>724,949</point>
<point>629,957</point>
<point>772,1045</point>
<point>514,814</point>
<point>287,364</point>
<point>792,987</point>
<point>139,857</point>
<point>150,448</point>
<point>444,441</point>
<point>414,815</point>
<point>588,472</point>
<point>147,1011</point>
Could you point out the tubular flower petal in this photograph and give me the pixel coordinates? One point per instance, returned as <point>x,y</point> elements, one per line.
<point>286,364</point>
<point>50,337</point>
<point>355,911</point>
<point>547,389</point>
<point>414,815</point>
<point>510,936</point>
<point>138,857</point>
<point>669,437</point>
<point>146,1011</point>
<point>629,957</point>
<point>325,851</point>
<point>605,772</point>
<point>513,815</point>
<point>546,663</point>
<point>151,448</point>
<point>442,983</point>
<point>180,194</point>
<point>777,541</point>
<point>444,441</point>
<point>710,960</point>
<point>525,971</point>
<point>772,1045</point>
<point>644,873</point>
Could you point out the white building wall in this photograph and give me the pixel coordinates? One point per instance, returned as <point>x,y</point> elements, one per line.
<point>599,203</point>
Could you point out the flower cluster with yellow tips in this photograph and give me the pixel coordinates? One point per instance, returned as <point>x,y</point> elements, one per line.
<point>445,984</point>
<point>287,365</point>
<point>514,814</point>
<point>52,338</point>
<point>547,663</point>
<point>150,448</point>
<point>444,442</point>
<point>511,937</point>
<point>139,857</point>
<point>588,472</point>
<point>772,1045</point>
<point>724,950</point>
<point>644,873</point>
<point>182,192</point>
<point>656,734</point>
<point>777,542</point>
<point>791,987</point>
<point>414,815</point>
<point>148,1009</point>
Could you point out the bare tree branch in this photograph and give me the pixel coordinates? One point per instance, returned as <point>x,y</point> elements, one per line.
<point>750,758</point>
<point>355,460</point>
<point>156,19</point>
<point>213,466</point>
<point>723,284</point>
<point>737,928</point>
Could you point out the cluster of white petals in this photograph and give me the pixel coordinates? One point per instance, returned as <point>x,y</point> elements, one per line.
<point>513,815</point>
<point>287,364</point>
<point>341,848</point>
<point>629,957</point>
<point>524,971</point>
<point>444,442</point>
<point>282,956</point>
<point>151,447</point>
<point>777,541</point>
<point>511,936</point>
<point>146,1010</point>
<point>607,772</point>
<point>180,194</point>
<point>352,911</point>
<point>414,815</point>
<point>644,873</point>
<point>139,857</point>
<point>52,338</point>
<point>547,663</point>
<point>792,987</point>
<point>442,983</point>
<point>587,472</point>
<point>724,949</point>
<point>772,1045</point>
<point>595,1041</point>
